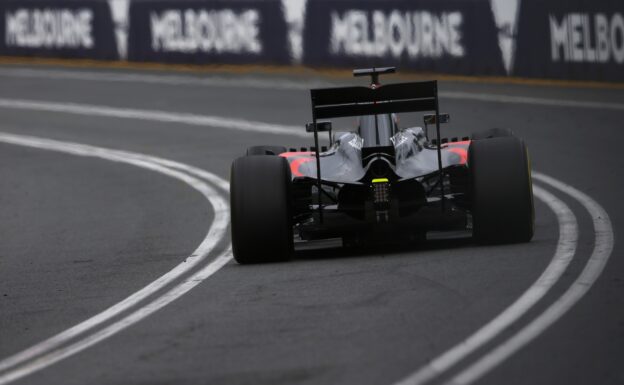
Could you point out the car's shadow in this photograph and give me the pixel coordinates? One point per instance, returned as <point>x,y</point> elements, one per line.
<point>335,250</point>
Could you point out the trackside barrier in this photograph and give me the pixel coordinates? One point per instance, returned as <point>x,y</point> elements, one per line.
<point>450,36</point>
<point>562,39</point>
<point>570,39</point>
<point>224,32</point>
<point>65,28</point>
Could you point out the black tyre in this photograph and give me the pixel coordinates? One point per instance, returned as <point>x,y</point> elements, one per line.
<point>491,133</point>
<point>502,192</point>
<point>260,202</point>
<point>266,150</point>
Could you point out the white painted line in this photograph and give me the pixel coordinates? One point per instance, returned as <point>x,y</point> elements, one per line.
<point>208,176</point>
<point>266,128</point>
<point>566,247</point>
<point>217,232</point>
<point>53,356</point>
<point>513,99</point>
<point>603,246</point>
<point>277,84</point>
<point>239,81</point>
<point>154,116</point>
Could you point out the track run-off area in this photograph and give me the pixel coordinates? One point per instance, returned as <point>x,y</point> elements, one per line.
<point>159,146</point>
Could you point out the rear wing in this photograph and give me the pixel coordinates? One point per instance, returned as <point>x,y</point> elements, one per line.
<point>339,102</point>
<point>355,101</point>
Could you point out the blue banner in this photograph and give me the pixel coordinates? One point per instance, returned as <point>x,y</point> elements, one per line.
<point>65,28</point>
<point>570,39</point>
<point>447,36</point>
<point>211,31</point>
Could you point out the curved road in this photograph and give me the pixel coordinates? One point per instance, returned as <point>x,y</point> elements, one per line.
<point>81,233</point>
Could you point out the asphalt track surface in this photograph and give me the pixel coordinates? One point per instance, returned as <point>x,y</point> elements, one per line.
<point>82,233</point>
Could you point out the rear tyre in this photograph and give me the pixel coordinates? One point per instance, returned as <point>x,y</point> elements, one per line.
<point>266,150</point>
<point>492,133</point>
<point>502,192</point>
<point>260,203</point>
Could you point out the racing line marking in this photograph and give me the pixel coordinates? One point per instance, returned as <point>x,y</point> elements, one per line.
<point>603,245</point>
<point>158,116</point>
<point>53,349</point>
<point>153,116</point>
<point>279,84</point>
<point>566,248</point>
<point>173,80</point>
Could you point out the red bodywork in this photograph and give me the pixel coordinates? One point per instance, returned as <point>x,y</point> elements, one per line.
<point>296,159</point>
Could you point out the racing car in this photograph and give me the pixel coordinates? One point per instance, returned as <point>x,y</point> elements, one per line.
<point>377,180</point>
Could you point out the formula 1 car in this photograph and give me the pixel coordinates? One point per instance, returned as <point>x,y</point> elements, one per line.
<point>379,181</point>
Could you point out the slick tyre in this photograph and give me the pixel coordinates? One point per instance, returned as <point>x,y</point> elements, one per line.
<point>260,202</point>
<point>266,150</point>
<point>502,192</point>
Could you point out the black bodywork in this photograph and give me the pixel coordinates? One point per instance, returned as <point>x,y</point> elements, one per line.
<point>380,179</point>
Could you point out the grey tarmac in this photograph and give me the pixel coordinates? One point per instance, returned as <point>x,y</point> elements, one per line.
<point>80,234</point>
